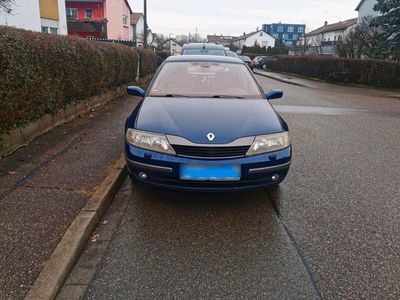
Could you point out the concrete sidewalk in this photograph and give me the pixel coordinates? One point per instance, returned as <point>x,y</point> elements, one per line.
<point>323,85</point>
<point>45,185</point>
<point>285,78</point>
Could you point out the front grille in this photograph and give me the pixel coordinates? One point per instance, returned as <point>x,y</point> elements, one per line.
<point>211,152</point>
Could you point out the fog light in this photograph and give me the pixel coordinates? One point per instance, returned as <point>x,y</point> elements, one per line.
<point>275,177</point>
<point>143,175</point>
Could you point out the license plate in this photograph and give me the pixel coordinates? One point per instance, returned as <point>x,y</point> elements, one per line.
<point>210,173</point>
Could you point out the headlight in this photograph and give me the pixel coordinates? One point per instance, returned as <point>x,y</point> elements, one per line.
<point>150,141</point>
<point>269,143</point>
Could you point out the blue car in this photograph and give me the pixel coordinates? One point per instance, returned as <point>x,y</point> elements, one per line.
<point>204,124</point>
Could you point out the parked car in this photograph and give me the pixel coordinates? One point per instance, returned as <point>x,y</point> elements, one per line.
<point>247,61</point>
<point>203,49</point>
<point>162,56</point>
<point>205,124</point>
<point>259,61</point>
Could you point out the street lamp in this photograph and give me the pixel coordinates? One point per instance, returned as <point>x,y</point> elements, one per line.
<point>145,23</point>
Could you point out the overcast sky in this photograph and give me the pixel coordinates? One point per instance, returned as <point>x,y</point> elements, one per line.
<point>234,17</point>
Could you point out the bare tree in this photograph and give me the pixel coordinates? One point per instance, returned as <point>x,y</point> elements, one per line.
<point>6,5</point>
<point>318,40</point>
<point>359,42</point>
<point>302,46</point>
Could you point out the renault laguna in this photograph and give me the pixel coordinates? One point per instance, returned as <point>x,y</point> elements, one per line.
<point>205,124</point>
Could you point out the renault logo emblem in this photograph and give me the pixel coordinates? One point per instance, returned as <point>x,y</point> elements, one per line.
<point>211,136</point>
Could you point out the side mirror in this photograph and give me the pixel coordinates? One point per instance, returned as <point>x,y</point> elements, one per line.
<point>274,94</point>
<point>135,91</point>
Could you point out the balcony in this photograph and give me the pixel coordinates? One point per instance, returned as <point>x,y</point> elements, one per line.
<point>88,28</point>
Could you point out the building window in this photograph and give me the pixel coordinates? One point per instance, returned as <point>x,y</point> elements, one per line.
<point>285,36</point>
<point>125,20</point>
<point>300,29</point>
<point>280,28</point>
<point>72,13</point>
<point>51,30</point>
<point>89,13</point>
<point>289,43</point>
<point>295,36</point>
<point>276,35</point>
<point>261,34</point>
<point>290,29</point>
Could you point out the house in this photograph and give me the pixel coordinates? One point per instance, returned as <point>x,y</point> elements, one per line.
<point>37,15</point>
<point>171,46</point>
<point>288,33</point>
<point>137,28</point>
<point>224,40</point>
<point>366,10</point>
<point>151,39</point>
<point>108,19</point>
<point>259,37</point>
<point>324,39</point>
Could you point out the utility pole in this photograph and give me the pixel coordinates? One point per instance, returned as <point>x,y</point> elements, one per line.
<point>145,23</point>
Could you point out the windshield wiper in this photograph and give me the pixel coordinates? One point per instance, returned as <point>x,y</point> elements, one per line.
<point>227,96</point>
<point>172,96</point>
<point>186,96</point>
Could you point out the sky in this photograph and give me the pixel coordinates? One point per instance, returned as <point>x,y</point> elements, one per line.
<point>234,17</point>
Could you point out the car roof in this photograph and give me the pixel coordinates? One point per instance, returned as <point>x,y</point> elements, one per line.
<point>210,46</point>
<point>204,58</point>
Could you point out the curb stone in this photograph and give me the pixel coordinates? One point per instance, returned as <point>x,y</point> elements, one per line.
<point>22,136</point>
<point>63,259</point>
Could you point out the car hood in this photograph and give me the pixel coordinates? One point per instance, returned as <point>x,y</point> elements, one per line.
<point>194,118</point>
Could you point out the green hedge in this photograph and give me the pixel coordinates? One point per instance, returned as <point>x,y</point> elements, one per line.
<point>41,73</point>
<point>360,71</point>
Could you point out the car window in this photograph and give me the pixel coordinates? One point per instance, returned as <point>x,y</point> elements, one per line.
<point>231,54</point>
<point>205,79</point>
<point>218,52</point>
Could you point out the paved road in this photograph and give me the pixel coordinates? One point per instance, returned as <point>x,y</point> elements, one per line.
<point>331,231</point>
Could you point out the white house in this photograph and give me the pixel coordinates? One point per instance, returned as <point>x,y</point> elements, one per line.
<point>37,15</point>
<point>172,46</point>
<point>137,28</point>
<point>260,38</point>
<point>322,41</point>
<point>366,10</point>
<point>24,14</point>
<point>151,39</point>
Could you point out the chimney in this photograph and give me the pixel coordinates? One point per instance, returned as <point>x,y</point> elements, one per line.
<point>244,33</point>
<point>326,23</point>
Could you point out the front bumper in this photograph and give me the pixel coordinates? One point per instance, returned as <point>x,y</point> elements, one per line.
<point>163,170</point>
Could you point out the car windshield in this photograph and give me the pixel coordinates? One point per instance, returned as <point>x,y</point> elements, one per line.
<point>245,58</point>
<point>231,54</point>
<point>205,79</point>
<point>201,51</point>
